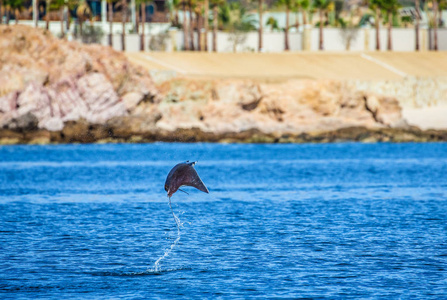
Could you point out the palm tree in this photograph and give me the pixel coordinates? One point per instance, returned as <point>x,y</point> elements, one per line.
<point>47,14</point>
<point>215,5</point>
<point>64,5</point>
<point>175,6</point>
<point>376,6</point>
<point>206,19</point>
<point>83,12</point>
<point>273,23</point>
<point>143,23</point>
<point>260,30</point>
<point>416,26</point>
<point>16,6</point>
<point>391,7</point>
<point>1,11</point>
<point>202,14</point>
<point>304,7</point>
<point>185,27</point>
<point>238,22</point>
<point>191,25</point>
<point>442,5</point>
<point>299,6</point>
<point>67,6</point>
<point>321,5</point>
<point>288,4</point>
<point>110,13</point>
<point>124,19</point>
<point>136,9</point>
<point>35,12</point>
<point>7,9</point>
<point>198,13</point>
<point>55,5</point>
<point>296,10</point>
<point>435,25</point>
<point>61,15</point>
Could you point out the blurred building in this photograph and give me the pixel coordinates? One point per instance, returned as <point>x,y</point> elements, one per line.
<point>156,11</point>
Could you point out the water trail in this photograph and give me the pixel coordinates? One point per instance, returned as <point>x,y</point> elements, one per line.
<point>169,250</point>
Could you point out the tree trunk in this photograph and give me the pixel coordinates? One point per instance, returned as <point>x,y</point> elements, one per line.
<point>416,26</point>
<point>260,4</point>
<point>80,26</point>
<point>133,15</point>
<point>143,23</point>
<point>137,20</point>
<point>191,27</point>
<point>377,24</point>
<point>35,13</point>
<point>124,19</point>
<point>205,20</point>
<point>61,12</point>
<point>297,21</point>
<point>435,25</point>
<point>7,15</point>
<point>286,31</point>
<point>67,13</point>
<point>320,47</point>
<point>390,25</point>
<point>185,28</point>
<point>17,16</point>
<point>215,24</point>
<point>199,33</point>
<point>303,12</point>
<point>47,16</point>
<point>1,11</point>
<point>110,24</point>
<point>440,17</point>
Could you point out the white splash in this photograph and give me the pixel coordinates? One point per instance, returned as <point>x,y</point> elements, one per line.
<point>169,250</point>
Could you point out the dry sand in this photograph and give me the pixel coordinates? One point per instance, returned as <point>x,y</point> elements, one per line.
<point>427,117</point>
<point>308,65</point>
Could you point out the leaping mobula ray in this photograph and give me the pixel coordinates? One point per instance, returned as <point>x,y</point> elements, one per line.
<point>180,175</point>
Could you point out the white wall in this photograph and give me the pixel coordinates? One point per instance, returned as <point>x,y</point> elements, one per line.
<point>442,39</point>
<point>403,39</point>
<point>132,42</point>
<point>55,26</point>
<point>333,40</point>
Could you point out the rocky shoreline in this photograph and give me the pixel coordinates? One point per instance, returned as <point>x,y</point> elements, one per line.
<point>82,132</point>
<point>54,91</point>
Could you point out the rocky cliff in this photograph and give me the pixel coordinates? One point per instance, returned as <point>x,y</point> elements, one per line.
<point>57,91</point>
<point>46,82</point>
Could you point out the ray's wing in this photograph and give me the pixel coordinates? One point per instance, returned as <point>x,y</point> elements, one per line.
<point>191,178</point>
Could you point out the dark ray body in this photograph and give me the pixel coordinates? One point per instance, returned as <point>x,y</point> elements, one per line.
<point>183,174</point>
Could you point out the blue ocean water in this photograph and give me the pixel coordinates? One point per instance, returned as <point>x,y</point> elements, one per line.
<point>281,221</point>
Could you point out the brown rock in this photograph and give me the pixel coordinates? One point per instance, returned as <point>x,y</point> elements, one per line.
<point>131,100</point>
<point>24,122</point>
<point>59,81</point>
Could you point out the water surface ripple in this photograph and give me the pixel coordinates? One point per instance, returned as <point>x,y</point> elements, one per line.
<point>281,221</point>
